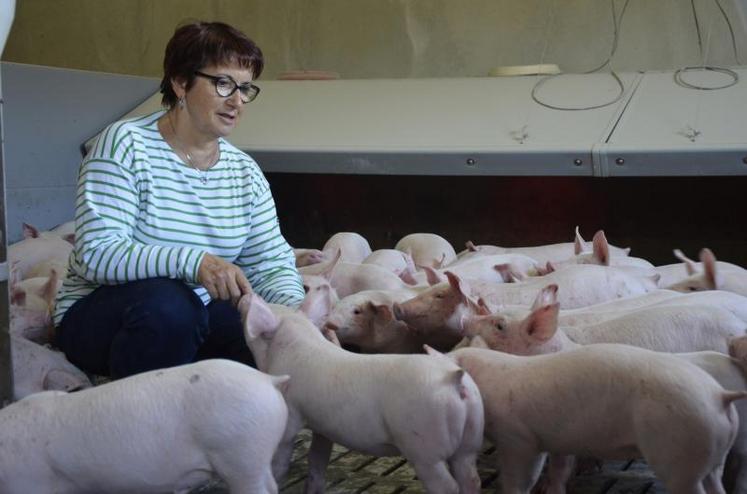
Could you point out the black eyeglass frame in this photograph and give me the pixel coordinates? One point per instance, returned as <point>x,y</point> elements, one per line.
<point>218,78</point>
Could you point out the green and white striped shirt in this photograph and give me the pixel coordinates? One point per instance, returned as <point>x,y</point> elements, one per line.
<point>140,212</point>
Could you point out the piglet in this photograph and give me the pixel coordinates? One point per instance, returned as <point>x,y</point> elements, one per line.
<point>399,263</point>
<point>37,368</point>
<point>552,253</point>
<point>49,249</point>
<point>427,249</point>
<point>601,254</point>
<point>609,401</point>
<point>666,328</point>
<point>307,257</point>
<point>357,400</point>
<point>348,278</point>
<point>167,430</point>
<point>354,248</point>
<point>731,278</point>
<point>365,320</point>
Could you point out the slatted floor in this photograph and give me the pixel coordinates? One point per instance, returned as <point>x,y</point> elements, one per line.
<point>353,473</point>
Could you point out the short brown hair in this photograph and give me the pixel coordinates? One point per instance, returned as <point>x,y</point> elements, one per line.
<point>199,44</point>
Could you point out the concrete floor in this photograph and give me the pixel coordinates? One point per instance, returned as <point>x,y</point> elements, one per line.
<point>354,473</point>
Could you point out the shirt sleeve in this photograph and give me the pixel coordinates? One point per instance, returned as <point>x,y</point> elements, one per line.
<point>267,259</point>
<point>106,211</point>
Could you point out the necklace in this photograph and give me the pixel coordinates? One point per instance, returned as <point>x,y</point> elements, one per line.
<point>189,159</point>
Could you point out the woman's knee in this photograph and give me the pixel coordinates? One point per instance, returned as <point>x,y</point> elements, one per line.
<point>163,305</point>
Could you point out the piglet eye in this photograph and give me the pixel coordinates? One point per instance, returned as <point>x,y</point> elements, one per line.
<point>499,326</point>
<point>306,288</point>
<point>356,311</point>
<point>692,288</point>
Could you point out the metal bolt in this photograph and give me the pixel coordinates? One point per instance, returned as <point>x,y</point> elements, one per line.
<point>578,162</point>
<point>620,161</point>
<point>471,162</point>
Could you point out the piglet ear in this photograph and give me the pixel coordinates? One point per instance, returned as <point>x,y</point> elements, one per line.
<point>317,305</point>
<point>483,308</point>
<point>471,246</point>
<point>690,265</point>
<point>432,275</point>
<point>382,311</point>
<point>546,296</point>
<point>601,248</point>
<point>30,231</point>
<point>256,316</point>
<point>330,268</point>
<point>432,351</point>
<point>709,267</point>
<point>63,380</point>
<point>542,323</point>
<point>457,284</point>
<point>69,238</point>
<point>407,277</point>
<point>579,244</point>
<point>18,296</point>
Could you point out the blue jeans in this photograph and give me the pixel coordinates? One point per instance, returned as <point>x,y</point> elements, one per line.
<point>120,330</point>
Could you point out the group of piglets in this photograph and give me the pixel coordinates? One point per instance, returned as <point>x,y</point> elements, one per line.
<point>549,352</point>
<point>576,348</point>
<point>38,264</point>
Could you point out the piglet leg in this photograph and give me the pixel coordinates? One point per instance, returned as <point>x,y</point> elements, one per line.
<point>319,453</point>
<point>559,470</point>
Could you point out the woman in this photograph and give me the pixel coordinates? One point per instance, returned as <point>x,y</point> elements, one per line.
<point>173,223</point>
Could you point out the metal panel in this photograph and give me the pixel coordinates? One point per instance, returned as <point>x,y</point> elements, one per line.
<point>427,126</point>
<point>514,162</point>
<point>712,160</point>
<point>6,358</point>
<point>669,130</point>
<point>49,112</point>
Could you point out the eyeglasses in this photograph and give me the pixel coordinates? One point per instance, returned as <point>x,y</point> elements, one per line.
<point>225,86</point>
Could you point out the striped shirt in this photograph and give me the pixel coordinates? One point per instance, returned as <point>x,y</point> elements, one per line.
<point>140,212</point>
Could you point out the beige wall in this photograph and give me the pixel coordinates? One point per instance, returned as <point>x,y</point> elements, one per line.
<point>378,38</point>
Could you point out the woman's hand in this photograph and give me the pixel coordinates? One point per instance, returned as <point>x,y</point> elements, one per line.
<point>223,280</point>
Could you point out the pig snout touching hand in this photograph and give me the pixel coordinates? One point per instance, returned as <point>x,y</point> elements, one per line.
<point>613,401</point>
<point>167,430</point>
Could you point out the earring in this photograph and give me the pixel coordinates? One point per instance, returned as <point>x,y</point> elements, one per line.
<point>181,102</point>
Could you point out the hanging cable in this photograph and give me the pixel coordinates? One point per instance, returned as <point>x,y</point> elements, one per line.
<point>703,67</point>
<point>616,26</point>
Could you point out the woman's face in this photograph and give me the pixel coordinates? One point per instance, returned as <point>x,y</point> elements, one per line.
<point>213,115</point>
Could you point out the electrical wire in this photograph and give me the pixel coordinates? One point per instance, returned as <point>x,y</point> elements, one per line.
<point>616,26</point>
<point>703,67</point>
